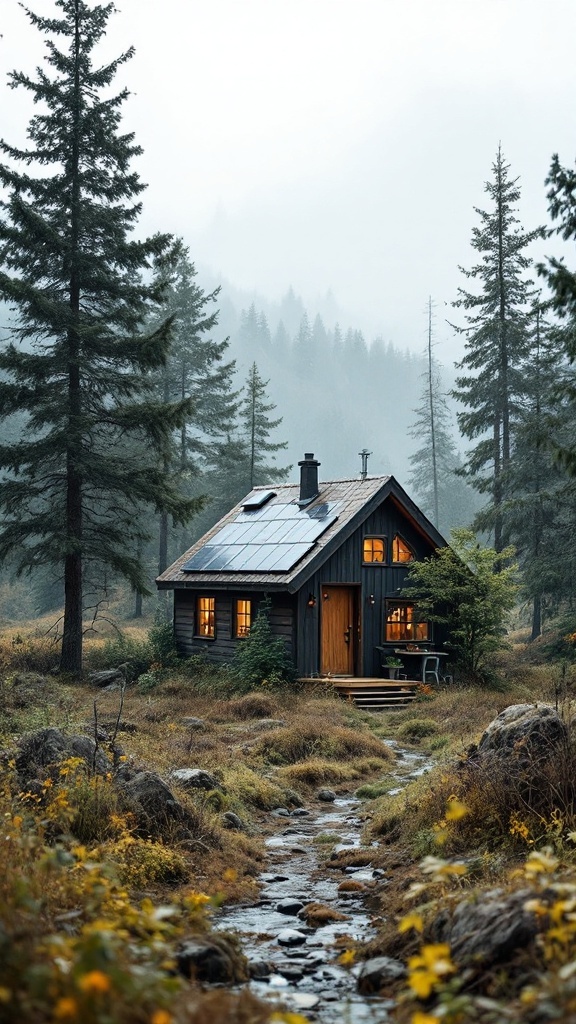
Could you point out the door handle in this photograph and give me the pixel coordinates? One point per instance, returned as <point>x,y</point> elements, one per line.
<point>347,633</point>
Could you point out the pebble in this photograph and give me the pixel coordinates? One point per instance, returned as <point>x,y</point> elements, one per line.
<point>281,812</point>
<point>300,812</point>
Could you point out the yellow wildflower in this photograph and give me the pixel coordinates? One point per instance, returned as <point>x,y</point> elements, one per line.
<point>347,957</point>
<point>161,1017</point>
<point>66,1008</point>
<point>455,809</point>
<point>424,1018</point>
<point>4,994</point>
<point>412,920</point>
<point>95,982</point>
<point>540,862</point>
<point>430,966</point>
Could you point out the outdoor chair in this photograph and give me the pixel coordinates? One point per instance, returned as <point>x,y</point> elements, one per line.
<point>430,669</point>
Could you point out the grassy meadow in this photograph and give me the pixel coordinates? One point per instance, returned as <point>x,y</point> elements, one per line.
<point>92,908</point>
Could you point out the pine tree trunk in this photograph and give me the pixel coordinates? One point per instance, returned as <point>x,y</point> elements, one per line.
<point>536,617</point>
<point>163,545</point>
<point>137,605</point>
<point>71,655</point>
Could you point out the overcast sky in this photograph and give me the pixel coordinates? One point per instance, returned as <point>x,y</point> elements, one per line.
<point>334,144</point>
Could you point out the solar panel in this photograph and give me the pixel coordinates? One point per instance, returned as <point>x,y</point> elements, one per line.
<point>269,538</point>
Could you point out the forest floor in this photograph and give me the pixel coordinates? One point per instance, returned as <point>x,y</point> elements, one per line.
<point>78,856</point>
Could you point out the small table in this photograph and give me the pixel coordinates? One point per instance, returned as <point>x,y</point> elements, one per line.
<point>418,656</point>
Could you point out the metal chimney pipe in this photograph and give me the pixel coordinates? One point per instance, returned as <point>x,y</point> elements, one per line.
<point>308,478</point>
<point>364,456</point>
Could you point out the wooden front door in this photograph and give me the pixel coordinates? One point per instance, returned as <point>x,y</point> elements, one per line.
<point>338,630</point>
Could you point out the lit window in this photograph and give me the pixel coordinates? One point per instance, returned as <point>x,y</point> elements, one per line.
<point>205,617</point>
<point>400,551</point>
<point>374,549</point>
<point>243,617</point>
<point>401,624</point>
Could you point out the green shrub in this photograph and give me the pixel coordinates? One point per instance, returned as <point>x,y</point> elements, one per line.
<point>163,643</point>
<point>417,728</point>
<point>261,657</point>
<point>137,655</point>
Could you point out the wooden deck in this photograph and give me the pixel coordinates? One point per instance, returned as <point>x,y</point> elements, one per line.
<point>371,693</point>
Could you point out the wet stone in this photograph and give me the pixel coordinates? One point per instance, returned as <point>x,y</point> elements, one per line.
<point>298,849</point>
<point>290,971</point>
<point>304,1000</point>
<point>377,972</point>
<point>291,937</point>
<point>270,879</point>
<point>292,832</point>
<point>288,906</point>
<point>328,796</point>
<point>281,812</point>
<point>300,812</point>
<point>259,969</point>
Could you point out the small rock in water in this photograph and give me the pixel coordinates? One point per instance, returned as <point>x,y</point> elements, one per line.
<point>292,832</point>
<point>259,969</point>
<point>298,849</point>
<point>290,937</point>
<point>328,796</point>
<point>300,812</point>
<point>269,879</point>
<point>281,812</point>
<point>289,906</point>
<point>290,971</point>
<point>304,1000</point>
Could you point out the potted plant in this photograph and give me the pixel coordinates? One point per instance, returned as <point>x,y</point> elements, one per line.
<point>392,667</point>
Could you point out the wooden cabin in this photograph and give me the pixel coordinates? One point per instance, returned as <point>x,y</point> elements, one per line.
<point>331,556</point>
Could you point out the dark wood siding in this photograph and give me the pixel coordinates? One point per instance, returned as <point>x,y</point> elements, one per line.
<point>221,649</point>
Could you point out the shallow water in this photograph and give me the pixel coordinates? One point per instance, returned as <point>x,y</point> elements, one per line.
<point>306,977</point>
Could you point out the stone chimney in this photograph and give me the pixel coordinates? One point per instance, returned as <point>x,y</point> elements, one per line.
<point>308,479</point>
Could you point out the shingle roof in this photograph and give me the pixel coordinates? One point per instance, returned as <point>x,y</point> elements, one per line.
<point>353,499</point>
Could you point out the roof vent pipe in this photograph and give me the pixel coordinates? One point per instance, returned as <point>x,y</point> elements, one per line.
<point>308,479</point>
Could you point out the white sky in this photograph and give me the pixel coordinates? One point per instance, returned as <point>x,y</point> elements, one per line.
<point>334,143</point>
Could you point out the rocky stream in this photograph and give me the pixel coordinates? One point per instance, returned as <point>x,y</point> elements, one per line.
<point>297,965</point>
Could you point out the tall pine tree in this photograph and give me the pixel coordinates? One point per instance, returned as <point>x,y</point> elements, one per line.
<point>441,493</point>
<point>256,427</point>
<point>496,342</point>
<point>72,271</point>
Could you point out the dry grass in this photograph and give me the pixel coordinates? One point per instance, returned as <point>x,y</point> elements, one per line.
<point>316,915</point>
<point>312,737</point>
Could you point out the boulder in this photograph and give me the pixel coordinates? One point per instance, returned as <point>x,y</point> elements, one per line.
<point>522,734</point>
<point>233,821</point>
<point>196,778</point>
<point>50,746</point>
<point>214,960</point>
<point>106,677</point>
<point>488,932</point>
<point>374,974</point>
<point>153,797</point>
<point>326,795</point>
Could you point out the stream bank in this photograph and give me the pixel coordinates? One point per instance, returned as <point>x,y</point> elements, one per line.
<point>291,962</point>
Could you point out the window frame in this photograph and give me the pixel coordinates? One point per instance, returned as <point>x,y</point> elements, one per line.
<point>406,561</point>
<point>372,537</point>
<point>237,635</point>
<point>412,635</point>
<point>198,612</point>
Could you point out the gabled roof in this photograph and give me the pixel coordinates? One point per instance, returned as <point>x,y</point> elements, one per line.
<point>351,501</point>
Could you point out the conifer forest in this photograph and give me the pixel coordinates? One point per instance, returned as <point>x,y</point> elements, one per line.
<point>287,512</point>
